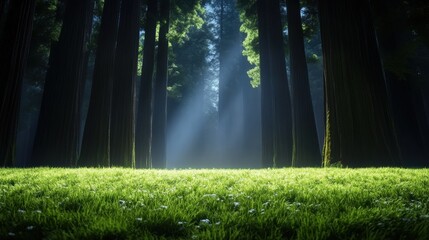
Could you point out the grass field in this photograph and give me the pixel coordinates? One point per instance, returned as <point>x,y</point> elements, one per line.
<point>116,203</point>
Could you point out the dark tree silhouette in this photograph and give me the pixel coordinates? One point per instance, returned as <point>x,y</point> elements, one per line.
<point>267,118</point>
<point>122,125</point>
<point>145,106</point>
<point>397,47</point>
<point>57,137</point>
<point>96,137</point>
<point>275,97</point>
<point>359,129</point>
<point>306,150</point>
<point>14,48</point>
<point>160,91</point>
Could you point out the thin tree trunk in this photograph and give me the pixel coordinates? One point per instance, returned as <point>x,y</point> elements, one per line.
<point>281,95</point>
<point>96,138</point>
<point>359,129</point>
<point>160,99</point>
<point>144,117</point>
<point>306,150</point>
<point>14,48</point>
<point>122,139</point>
<point>267,108</point>
<point>57,136</point>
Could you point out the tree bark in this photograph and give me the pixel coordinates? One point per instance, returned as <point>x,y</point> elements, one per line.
<point>306,150</point>
<point>122,139</point>
<point>57,137</point>
<point>267,108</point>
<point>160,99</point>
<point>96,138</point>
<point>359,129</point>
<point>282,105</point>
<point>14,48</point>
<point>394,34</point>
<point>273,61</point>
<point>145,106</point>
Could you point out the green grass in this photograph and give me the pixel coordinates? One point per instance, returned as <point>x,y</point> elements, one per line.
<point>385,203</point>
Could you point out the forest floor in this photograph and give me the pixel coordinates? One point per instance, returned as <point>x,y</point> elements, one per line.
<point>332,203</point>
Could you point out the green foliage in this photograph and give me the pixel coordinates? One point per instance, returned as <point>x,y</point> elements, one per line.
<point>330,203</point>
<point>185,16</point>
<point>249,26</point>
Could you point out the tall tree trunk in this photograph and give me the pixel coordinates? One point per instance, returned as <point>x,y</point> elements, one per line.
<point>274,85</point>
<point>306,150</point>
<point>96,138</point>
<point>160,99</point>
<point>57,136</point>
<point>145,106</point>
<point>122,126</point>
<point>411,126</point>
<point>359,129</point>
<point>282,105</point>
<point>14,48</point>
<point>267,108</point>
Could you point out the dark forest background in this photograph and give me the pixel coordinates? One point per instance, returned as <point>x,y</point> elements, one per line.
<point>214,83</point>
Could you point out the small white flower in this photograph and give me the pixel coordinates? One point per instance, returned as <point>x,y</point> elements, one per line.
<point>11,234</point>
<point>163,207</point>
<point>139,219</point>
<point>205,221</point>
<point>236,204</point>
<point>21,211</point>
<point>217,223</point>
<point>38,211</point>
<point>252,211</point>
<point>181,223</point>
<point>122,202</point>
<point>210,195</point>
<point>30,227</point>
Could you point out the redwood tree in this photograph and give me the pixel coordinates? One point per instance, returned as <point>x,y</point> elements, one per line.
<point>160,91</point>
<point>359,129</point>
<point>267,118</point>
<point>123,97</point>
<point>306,150</point>
<point>14,47</point>
<point>404,86</point>
<point>275,97</point>
<point>96,137</point>
<point>145,106</point>
<point>57,136</point>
